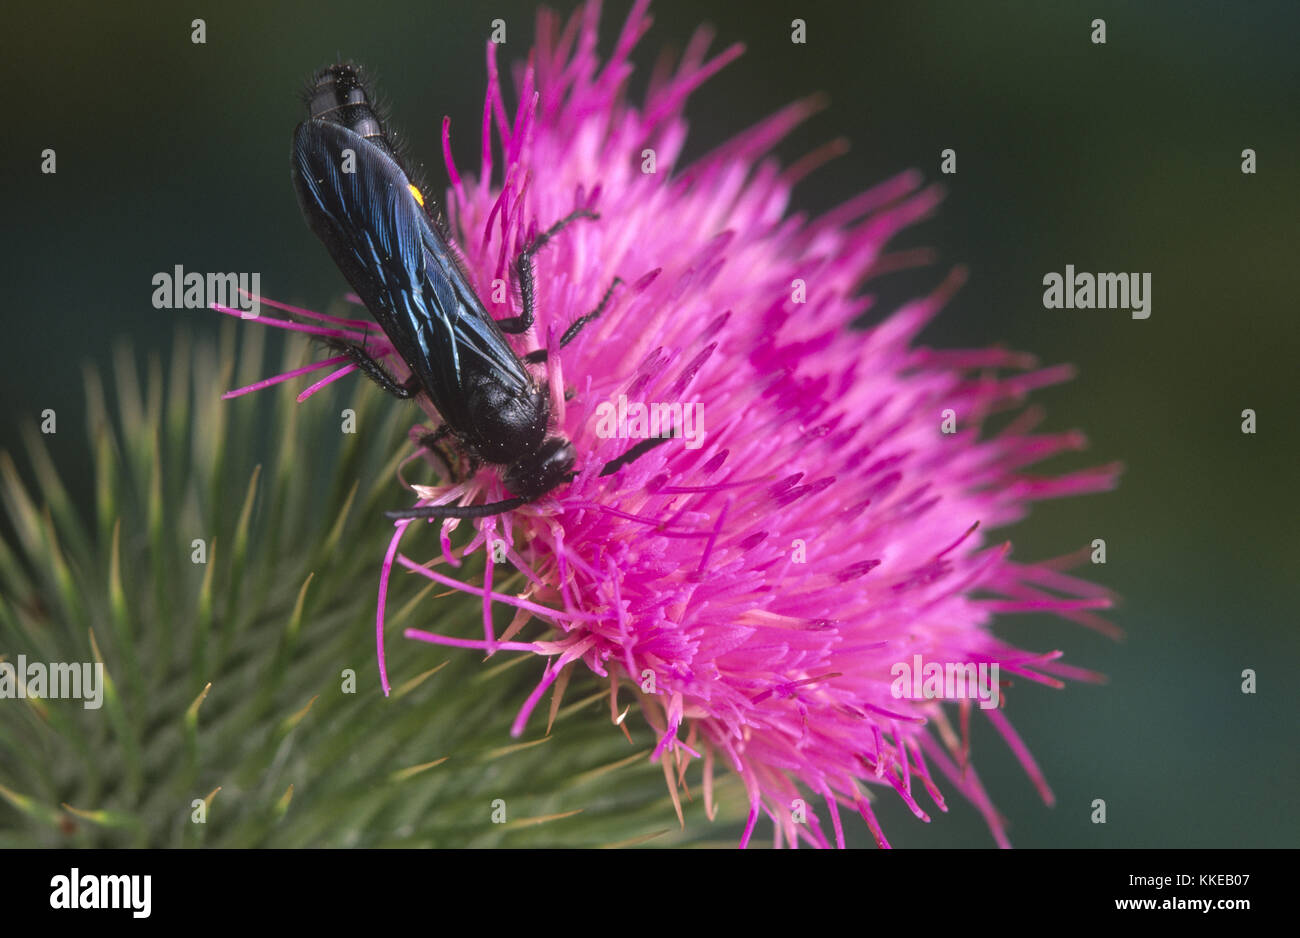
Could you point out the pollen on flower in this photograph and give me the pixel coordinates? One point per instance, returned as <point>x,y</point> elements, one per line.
<point>755,585</point>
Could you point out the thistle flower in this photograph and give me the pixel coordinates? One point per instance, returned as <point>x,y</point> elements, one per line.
<point>755,581</point>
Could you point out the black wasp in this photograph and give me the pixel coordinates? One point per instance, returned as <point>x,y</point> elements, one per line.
<point>387,241</point>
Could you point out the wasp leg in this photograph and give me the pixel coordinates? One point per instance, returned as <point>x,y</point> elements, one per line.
<point>376,372</point>
<point>430,442</point>
<point>539,355</point>
<point>571,333</point>
<point>524,271</point>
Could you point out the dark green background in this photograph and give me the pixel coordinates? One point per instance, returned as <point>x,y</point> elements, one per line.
<point>1117,157</point>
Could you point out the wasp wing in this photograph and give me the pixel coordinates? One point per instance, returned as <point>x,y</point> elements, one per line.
<point>400,266</point>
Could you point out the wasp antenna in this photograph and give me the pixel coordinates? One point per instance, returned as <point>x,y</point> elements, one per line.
<point>636,452</point>
<point>460,511</point>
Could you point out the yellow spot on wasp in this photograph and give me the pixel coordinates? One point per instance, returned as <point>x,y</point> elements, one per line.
<point>416,192</point>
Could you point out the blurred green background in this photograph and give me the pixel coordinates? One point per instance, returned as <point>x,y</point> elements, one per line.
<point>1112,158</point>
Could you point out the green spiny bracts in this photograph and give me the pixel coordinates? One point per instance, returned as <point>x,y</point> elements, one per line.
<point>227,584</point>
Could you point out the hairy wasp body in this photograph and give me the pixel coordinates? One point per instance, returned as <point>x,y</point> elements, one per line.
<point>360,201</point>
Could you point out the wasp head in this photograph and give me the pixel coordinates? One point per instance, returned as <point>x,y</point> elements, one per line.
<point>550,465</point>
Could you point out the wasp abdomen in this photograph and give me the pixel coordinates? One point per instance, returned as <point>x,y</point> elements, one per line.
<point>338,95</point>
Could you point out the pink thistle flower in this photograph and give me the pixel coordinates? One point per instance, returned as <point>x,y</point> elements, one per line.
<point>756,589</point>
